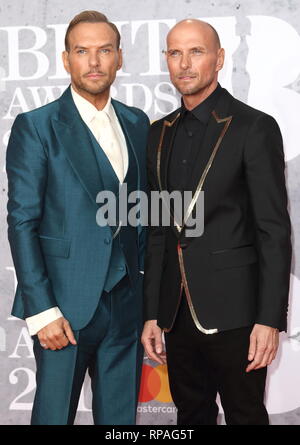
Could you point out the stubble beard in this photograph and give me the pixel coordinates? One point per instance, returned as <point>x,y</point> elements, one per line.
<point>95,90</point>
<point>188,91</point>
<point>192,90</point>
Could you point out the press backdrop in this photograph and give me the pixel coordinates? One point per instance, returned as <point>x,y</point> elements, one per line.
<point>262,43</point>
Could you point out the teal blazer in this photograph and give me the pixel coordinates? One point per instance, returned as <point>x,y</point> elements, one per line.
<point>61,255</point>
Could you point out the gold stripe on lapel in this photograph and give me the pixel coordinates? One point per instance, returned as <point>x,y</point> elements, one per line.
<point>188,295</point>
<point>158,164</point>
<point>184,283</point>
<point>218,119</point>
<point>189,211</point>
<point>207,168</point>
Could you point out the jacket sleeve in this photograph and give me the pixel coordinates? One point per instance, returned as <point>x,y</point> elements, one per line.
<point>39,321</point>
<point>264,167</point>
<point>155,250</point>
<point>26,165</point>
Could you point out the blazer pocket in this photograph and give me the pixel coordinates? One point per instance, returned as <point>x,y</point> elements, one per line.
<point>55,246</point>
<point>239,256</point>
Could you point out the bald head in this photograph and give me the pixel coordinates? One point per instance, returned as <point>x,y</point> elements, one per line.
<point>204,29</point>
<point>194,57</point>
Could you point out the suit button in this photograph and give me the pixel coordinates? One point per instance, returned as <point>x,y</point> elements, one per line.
<point>107,240</point>
<point>121,268</point>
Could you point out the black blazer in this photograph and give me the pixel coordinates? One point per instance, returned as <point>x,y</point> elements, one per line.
<point>237,272</point>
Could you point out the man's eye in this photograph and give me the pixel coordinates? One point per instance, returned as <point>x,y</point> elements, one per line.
<point>196,52</point>
<point>81,51</point>
<point>104,51</point>
<point>174,53</point>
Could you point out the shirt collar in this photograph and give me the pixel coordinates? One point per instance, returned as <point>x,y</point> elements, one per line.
<point>87,110</point>
<point>203,111</point>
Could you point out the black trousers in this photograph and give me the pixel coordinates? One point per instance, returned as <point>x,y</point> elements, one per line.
<point>200,366</point>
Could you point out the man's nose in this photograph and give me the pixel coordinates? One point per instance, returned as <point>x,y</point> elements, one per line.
<point>94,59</point>
<point>185,61</point>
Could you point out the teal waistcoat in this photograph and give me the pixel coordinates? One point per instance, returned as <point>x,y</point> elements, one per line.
<point>117,266</point>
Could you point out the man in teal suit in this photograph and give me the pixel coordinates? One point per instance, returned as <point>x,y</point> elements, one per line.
<point>79,284</point>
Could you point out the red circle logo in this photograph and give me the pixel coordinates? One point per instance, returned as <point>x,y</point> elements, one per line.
<point>155,384</point>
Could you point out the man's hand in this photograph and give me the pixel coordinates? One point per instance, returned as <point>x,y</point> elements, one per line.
<point>264,342</point>
<point>56,335</point>
<point>152,341</point>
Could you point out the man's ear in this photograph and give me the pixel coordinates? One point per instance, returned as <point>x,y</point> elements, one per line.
<point>221,59</point>
<point>120,61</point>
<point>65,59</point>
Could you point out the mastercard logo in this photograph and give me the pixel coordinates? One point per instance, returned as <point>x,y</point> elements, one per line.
<point>155,384</point>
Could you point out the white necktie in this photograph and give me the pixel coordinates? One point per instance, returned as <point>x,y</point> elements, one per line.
<point>109,142</point>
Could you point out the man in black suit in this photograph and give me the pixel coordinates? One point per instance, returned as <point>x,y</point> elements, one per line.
<point>221,298</point>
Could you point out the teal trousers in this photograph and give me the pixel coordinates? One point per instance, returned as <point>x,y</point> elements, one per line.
<point>110,349</point>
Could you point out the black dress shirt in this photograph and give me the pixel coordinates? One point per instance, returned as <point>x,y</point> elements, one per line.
<point>188,140</point>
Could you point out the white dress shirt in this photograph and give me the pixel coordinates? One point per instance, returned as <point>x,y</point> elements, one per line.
<point>90,115</point>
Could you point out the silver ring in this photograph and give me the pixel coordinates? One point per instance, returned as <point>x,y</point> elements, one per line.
<point>43,345</point>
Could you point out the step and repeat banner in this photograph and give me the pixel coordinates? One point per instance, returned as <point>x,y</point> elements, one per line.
<point>262,44</point>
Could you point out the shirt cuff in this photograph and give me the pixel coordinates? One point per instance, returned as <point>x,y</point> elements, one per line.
<point>141,271</point>
<point>39,321</point>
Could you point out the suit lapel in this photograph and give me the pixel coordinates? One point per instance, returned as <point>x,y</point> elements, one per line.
<point>164,150</point>
<point>128,121</point>
<point>166,142</point>
<point>75,139</point>
<point>213,137</point>
<point>217,127</point>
